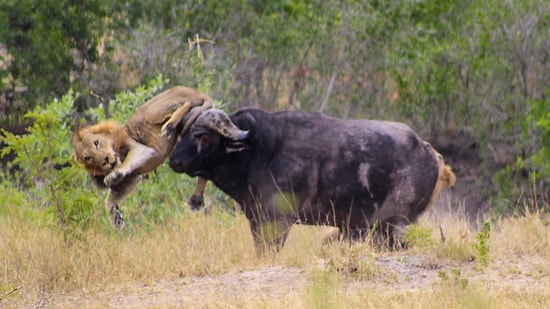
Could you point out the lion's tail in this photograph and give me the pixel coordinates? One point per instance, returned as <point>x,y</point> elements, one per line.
<point>446,176</point>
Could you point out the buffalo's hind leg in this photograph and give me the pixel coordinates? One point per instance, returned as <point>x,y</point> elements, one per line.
<point>116,195</point>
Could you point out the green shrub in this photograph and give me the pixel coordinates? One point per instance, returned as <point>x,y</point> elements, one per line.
<point>482,245</point>
<point>45,170</point>
<point>539,125</point>
<point>420,236</point>
<point>528,178</point>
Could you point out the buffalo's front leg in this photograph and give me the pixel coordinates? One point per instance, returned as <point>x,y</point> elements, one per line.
<point>196,201</point>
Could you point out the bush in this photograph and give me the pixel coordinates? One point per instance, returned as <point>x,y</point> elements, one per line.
<point>44,168</point>
<point>540,117</point>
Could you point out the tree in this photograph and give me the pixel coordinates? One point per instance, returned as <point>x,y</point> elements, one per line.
<point>48,46</point>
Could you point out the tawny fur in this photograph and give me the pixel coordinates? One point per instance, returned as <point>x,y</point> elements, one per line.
<point>111,137</point>
<point>118,155</point>
<point>446,176</point>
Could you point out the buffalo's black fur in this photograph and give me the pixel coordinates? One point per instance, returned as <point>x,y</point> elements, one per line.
<point>314,169</point>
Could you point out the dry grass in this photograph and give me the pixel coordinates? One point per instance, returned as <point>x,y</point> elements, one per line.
<point>209,262</point>
<point>37,258</point>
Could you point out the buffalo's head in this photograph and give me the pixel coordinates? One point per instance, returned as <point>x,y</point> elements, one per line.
<point>212,139</point>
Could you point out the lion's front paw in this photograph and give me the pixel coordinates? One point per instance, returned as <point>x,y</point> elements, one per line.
<point>195,202</point>
<point>116,217</point>
<point>113,178</point>
<point>167,130</point>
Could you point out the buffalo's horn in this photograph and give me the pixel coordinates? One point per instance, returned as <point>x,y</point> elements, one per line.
<point>220,122</point>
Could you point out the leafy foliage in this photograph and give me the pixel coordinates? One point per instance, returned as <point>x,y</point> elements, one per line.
<point>43,164</point>
<point>482,246</point>
<point>46,41</point>
<point>540,117</point>
<point>479,67</point>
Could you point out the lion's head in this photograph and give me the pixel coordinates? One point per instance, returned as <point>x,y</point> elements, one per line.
<point>99,147</point>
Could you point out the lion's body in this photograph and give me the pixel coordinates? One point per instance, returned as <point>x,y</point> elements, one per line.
<point>119,155</point>
<point>146,123</point>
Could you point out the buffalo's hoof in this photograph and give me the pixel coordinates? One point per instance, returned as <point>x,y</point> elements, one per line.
<point>113,178</point>
<point>195,202</point>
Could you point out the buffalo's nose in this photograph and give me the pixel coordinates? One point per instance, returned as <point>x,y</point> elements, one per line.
<point>175,164</point>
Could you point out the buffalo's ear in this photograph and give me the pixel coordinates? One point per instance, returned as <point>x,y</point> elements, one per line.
<point>246,122</point>
<point>251,121</point>
<point>236,146</point>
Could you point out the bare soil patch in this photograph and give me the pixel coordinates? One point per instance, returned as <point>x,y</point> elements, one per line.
<point>399,273</point>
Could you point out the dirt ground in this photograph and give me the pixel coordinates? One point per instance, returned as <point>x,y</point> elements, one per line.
<point>402,272</point>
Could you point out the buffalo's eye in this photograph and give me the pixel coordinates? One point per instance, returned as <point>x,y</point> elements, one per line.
<point>96,143</point>
<point>205,138</point>
<point>87,158</point>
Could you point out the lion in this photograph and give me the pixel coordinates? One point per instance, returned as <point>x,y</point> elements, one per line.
<point>117,156</point>
<point>446,177</point>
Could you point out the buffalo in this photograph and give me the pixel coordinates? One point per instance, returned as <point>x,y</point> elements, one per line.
<point>365,177</point>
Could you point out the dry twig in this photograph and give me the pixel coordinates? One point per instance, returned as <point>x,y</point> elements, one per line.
<point>10,292</point>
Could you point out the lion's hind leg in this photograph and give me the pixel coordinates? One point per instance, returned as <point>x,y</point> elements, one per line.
<point>171,124</point>
<point>204,102</point>
<point>116,195</point>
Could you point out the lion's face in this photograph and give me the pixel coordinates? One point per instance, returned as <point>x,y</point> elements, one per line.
<point>98,151</point>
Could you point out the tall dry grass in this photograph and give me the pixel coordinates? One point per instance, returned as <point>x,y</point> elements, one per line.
<point>38,259</point>
<point>35,261</point>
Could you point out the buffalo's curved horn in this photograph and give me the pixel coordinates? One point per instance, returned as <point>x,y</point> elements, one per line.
<point>219,121</point>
